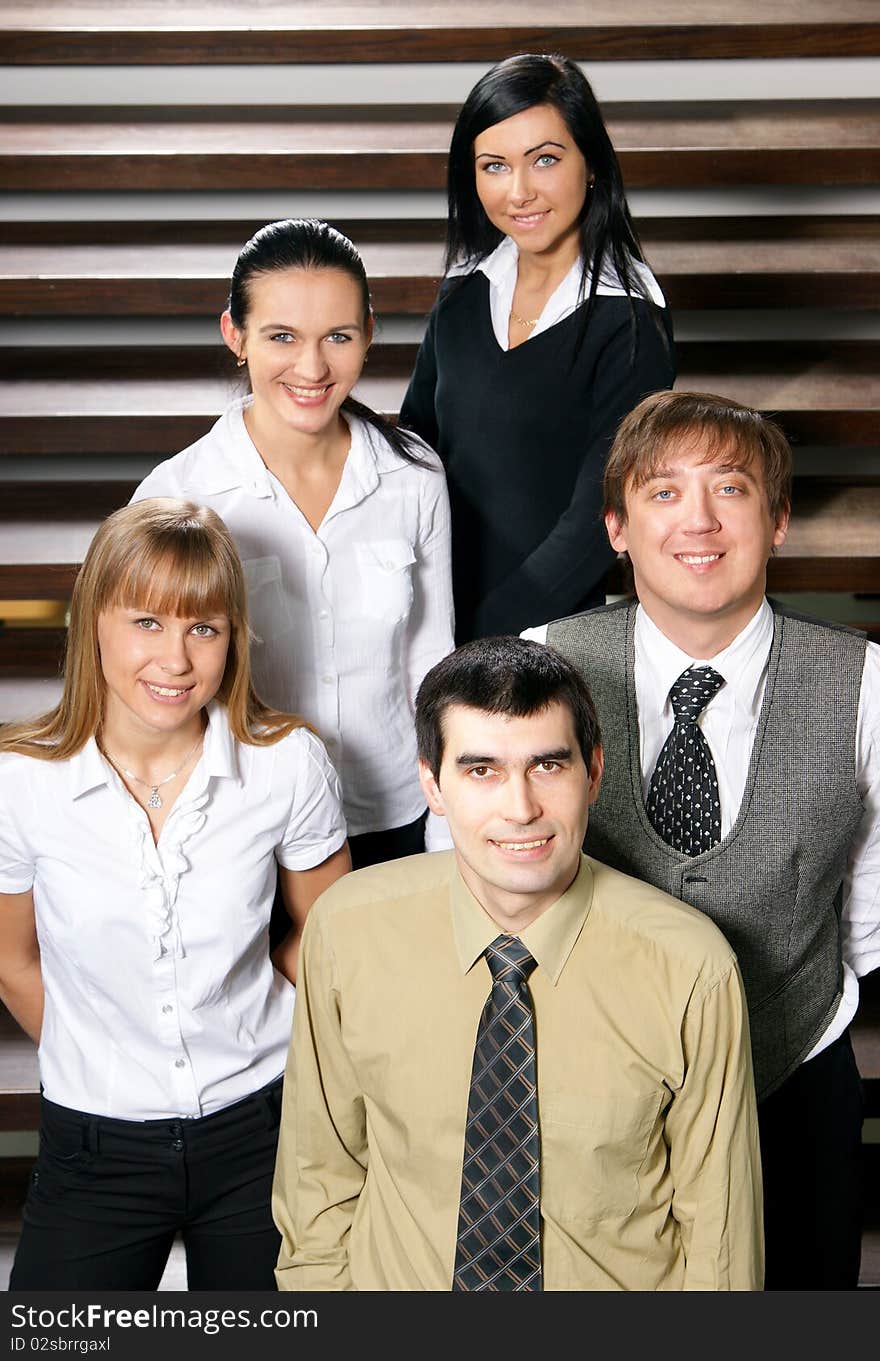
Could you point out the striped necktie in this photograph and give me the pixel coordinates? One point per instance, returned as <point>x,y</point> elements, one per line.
<point>683,805</point>
<point>499,1225</point>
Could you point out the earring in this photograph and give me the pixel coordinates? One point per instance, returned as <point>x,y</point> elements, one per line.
<point>240,363</point>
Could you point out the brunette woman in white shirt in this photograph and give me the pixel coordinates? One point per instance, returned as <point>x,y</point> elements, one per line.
<point>142,822</point>
<point>341,518</point>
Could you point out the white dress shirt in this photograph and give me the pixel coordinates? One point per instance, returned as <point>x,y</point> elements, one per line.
<point>729,722</point>
<point>160,997</point>
<point>500,268</point>
<point>347,618</point>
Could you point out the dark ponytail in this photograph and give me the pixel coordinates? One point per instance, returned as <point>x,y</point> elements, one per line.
<point>308,243</point>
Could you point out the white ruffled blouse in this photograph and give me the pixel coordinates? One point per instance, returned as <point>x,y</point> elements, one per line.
<point>161,999</point>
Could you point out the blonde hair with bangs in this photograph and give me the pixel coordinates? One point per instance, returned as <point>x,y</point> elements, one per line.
<point>166,556</point>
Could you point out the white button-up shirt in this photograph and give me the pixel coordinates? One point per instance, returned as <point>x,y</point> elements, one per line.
<point>160,997</point>
<point>349,617</point>
<point>729,723</point>
<point>500,268</point>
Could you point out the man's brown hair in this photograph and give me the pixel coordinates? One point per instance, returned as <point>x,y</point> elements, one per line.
<point>718,424</point>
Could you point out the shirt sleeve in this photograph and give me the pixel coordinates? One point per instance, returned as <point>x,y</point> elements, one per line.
<point>322,1146</point>
<point>316,826</point>
<point>536,635</point>
<point>576,554</point>
<point>16,861</point>
<point>160,482</point>
<point>430,627</point>
<point>860,915</point>
<point>712,1132</point>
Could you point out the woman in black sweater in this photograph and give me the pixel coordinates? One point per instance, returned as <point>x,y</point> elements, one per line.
<point>548,329</point>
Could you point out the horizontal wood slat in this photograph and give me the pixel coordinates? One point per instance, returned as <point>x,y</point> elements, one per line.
<point>821,392</point>
<point>703,263</point>
<point>830,142</point>
<point>141,33</point>
<point>19,1077</point>
<point>832,545</point>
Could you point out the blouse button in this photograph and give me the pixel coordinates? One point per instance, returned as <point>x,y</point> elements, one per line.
<point>166,1009</point>
<point>180,1063</point>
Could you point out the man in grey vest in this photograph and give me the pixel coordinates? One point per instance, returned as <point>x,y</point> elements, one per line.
<point>742,775</point>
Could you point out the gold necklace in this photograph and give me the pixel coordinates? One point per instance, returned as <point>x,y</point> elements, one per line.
<point>521,321</point>
<point>154,801</point>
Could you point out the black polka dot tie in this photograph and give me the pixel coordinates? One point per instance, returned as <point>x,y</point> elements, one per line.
<point>683,804</point>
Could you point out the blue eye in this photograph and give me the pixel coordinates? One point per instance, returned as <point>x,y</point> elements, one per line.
<point>339,338</point>
<point>282,337</point>
<point>546,158</point>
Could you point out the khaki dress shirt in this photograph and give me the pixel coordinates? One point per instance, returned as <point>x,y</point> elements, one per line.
<point>650,1170</point>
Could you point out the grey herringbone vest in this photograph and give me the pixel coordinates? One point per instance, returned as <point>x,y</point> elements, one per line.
<point>773,885</point>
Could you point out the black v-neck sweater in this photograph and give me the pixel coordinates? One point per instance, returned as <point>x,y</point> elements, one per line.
<point>524,436</point>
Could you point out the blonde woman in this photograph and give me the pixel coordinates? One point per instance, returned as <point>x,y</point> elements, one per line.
<point>142,822</point>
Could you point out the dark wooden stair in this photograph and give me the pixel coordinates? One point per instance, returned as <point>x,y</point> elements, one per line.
<point>383,147</point>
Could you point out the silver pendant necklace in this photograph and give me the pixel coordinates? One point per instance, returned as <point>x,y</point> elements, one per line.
<point>155,799</point>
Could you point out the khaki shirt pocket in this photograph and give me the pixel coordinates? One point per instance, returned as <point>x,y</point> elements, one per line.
<point>591,1156</point>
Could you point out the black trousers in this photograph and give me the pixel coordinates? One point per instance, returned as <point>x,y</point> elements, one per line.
<point>811,1154</point>
<point>372,848</point>
<point>107,1197</point>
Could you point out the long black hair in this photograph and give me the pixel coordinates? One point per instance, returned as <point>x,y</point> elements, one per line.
<point>607,232</point>
<point>308,243</point>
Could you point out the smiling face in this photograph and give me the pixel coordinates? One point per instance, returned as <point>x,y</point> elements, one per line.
<point>305,340</point>
<point>516,794</point>
<point>699,535</point>
<point>159,670</point>
<point>532,180</point>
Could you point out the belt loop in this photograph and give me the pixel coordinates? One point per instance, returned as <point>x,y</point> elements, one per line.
<point>90,1134</point>
<point>272,1102</point>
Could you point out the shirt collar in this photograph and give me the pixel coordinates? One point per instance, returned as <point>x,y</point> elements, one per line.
<point>500,268</point>
<point>231,461</point>
<point>742,663</point>
<point>89,770</point>
<point>549,939</point>
<point>236,463</point>
<point>219,754</point>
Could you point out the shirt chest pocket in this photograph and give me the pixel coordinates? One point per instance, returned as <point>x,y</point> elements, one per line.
<point>591,1158</point>
<point>268,609</point>
<point>385,578</point>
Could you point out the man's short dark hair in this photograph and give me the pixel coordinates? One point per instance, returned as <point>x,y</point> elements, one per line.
<point>502,676</point>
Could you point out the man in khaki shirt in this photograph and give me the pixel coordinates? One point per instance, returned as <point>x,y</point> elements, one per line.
<point>649,1167</point>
